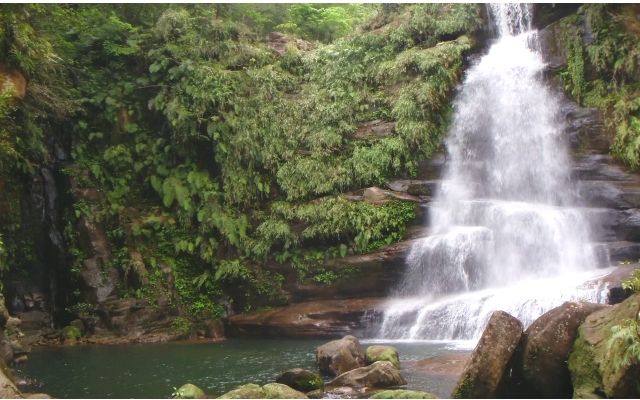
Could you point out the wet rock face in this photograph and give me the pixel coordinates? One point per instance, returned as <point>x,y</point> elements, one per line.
<point>490,359</point>
<point>545,349</point>
<point>324,318</point>
<point>99,278</point>
<point>380,374</point>
<point>595,359</point>
<point>339,356</point>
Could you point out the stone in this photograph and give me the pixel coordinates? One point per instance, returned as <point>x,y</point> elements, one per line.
<point>301,379</point>
<point>374,129</point>
<point>279,43</point>
<point>248,391</point>
<point>594,359</point>
<point>189,391</point>
<point>402,394</point>
<point>214,329</point>
<point>315,394</point>
<point>280,391</point>
<point>8,389</point>
<point>99,278</point>
<point>382,353</point>
<point>339,356</point>
<point>545,349</point>
<point>268,391</point>
<point>13,80</point>
<point>485,369</point>
<point>380,374</point>
<point>36,396</point>
<point>376,195</point>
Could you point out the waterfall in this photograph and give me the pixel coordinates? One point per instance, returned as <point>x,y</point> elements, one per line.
<point>506,231</point>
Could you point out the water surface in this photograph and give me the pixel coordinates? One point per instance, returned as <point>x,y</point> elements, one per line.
<point>154,370</point>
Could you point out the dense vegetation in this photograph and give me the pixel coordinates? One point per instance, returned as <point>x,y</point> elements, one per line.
<point>201,149</point>
<point>603,70</point>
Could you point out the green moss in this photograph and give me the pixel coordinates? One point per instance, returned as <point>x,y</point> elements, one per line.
<point>188,391</point>
<point>585,376</point>
<point>71,332</point>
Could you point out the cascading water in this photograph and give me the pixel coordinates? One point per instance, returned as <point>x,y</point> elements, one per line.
<point>506,234</point>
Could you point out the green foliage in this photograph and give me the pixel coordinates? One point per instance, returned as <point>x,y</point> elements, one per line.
<point>633,282</point>
<point>610,62</point>
<point>623,347</point>
<point>181,326</point>
<point>212,157</point>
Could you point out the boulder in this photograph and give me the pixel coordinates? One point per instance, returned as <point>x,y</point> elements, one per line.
<point>484,371</point>
<point>248,391</point>
<point>189,391</point>
<point>339,356</point>
<point>546,346</point>
<point>403,394</point>
<point>36,396</point>
<point>595,361</point>
<point>380,374</point>
<point>382,353</point>
<point>268,391</point>
<point>280,391</point>
<point>279,43</point>
<point>8,389</point>
<point>214,329</point>
<point>301,379</point>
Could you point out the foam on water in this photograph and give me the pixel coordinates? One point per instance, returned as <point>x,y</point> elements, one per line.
<point>507,234</point>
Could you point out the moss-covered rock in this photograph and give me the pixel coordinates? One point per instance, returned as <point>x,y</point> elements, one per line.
<point>70,332</point>
<point>268,391</point>
<point>248,391</point>
<point>301,379</point>
<point>595,362</point>
<point>383,353</point>
<point>403,394</point>
<point>189,391</point>
<point>280,391</point>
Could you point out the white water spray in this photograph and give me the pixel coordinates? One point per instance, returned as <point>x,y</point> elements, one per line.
<point>505,233</point>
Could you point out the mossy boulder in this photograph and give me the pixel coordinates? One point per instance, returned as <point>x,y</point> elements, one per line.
<point>403,394</point>
<point>382,353</point>
<point>71,332</point>
<point>78,324</point>
<point>545,349</point>
<point>594,362</point>
<point>189,391</point>
<point>301,379</point>
<point>268,391</point>
<point>280,391</point>
<point>248,391</point>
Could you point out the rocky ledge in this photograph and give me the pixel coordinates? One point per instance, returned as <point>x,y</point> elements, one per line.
<point>324,318</point>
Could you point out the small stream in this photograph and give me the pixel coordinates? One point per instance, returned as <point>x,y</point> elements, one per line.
<point>154,370</point>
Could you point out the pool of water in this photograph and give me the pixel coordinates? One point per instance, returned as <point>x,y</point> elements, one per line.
<point>154,370</point>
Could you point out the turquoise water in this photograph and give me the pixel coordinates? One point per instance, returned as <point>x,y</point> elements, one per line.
<point>153,370</point>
